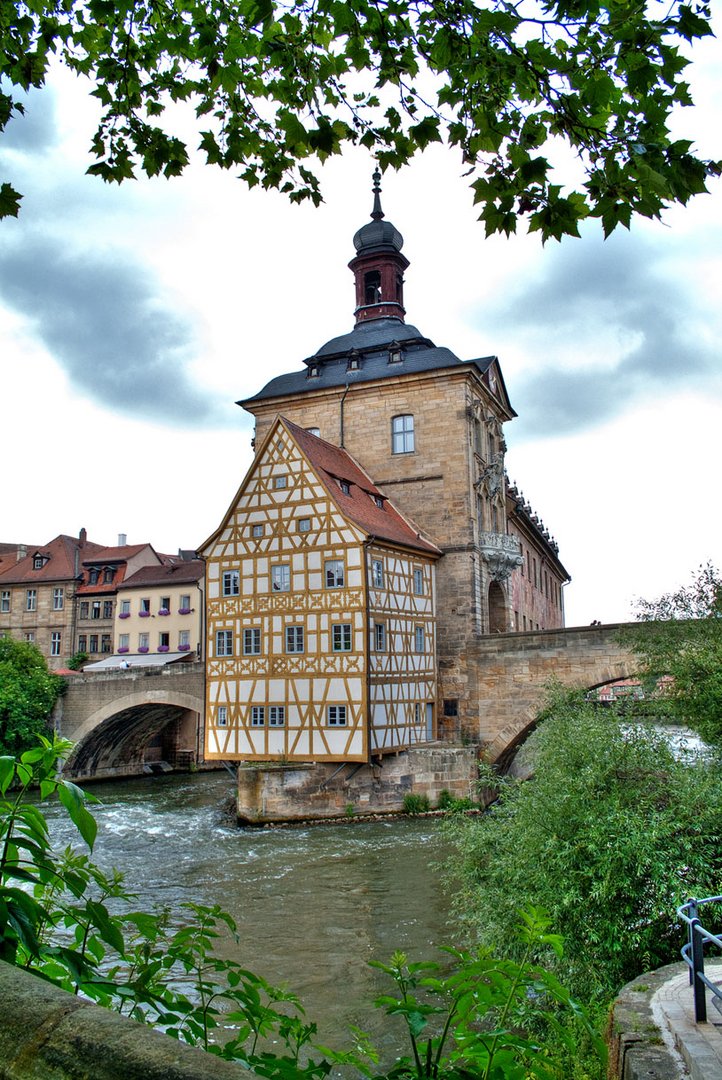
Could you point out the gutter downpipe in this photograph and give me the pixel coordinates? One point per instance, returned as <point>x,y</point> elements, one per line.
<point>343,399</point>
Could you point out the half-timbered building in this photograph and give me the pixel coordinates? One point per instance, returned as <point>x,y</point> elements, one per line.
<point>321,630</point>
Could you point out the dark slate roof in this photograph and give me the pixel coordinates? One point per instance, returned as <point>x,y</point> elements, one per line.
<point>370,340</point>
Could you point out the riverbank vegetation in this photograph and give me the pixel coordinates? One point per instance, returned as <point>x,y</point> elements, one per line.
<point>609,836</point>
<point>28,692</point>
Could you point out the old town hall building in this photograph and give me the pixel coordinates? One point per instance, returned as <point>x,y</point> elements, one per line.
<point>373,541</point>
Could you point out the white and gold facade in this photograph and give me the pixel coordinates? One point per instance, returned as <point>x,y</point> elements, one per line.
<point>321,630</point>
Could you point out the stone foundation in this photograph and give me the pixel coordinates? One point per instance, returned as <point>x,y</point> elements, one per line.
<point>276,793</point>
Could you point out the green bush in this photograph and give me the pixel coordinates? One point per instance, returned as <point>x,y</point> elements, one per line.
<point>609,836</point>
<point>416,804</point>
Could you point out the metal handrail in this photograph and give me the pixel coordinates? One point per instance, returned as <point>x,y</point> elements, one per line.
<point>693,953</point>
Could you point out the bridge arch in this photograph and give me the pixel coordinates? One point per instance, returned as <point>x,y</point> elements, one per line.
<point>514,671</point>
<point>116,738</point>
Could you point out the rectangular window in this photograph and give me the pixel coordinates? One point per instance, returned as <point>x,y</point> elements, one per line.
<point>163,640</point>
<point>417,713</point>
<point>145,605</point>
<point>31,599</point>
<point>402,434</point>
<point>107,609</point>
<point>280,482</point>
<point>418,581</point>
<point>82,643</point>
<point>58,599</point>
<point>184,639</point>
<point>108,575</point>
<point>30,637</point>
<point>95,610</point>
<point>222,716</point>
<point>379,636</point>
<point>93,643</point>
<point>341,637</point>
<point>336,715</point>
<point>294,639</point>
<point>164,603</point>
<point>55,643</point>
<point>184,606</point>
<point>304,524</point>
<point>258,715</point>
<point>252,641</point>
<point>419,639</point>
<point>105,643</point>
<point>257,531</point>
<point>377,573</point>
<point>276,715</point>
<point>125,607</point>
<point>231,582</point>
<point>281,577</point>
<point>224,643</point>
<point>451,707</point>
<point>143,641</point>
<point>84,609</point>
<point>334,572</point>
<point>5,600</point>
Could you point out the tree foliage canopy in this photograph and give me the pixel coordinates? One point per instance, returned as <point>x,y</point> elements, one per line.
<point>610,835</point>
<point>680,634</point>
<point>279,85</point>
<point>28,692</point>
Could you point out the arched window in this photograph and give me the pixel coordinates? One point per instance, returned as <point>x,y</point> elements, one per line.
<point>497,609</point>
<point>402,434</point>
<point>372,287</point>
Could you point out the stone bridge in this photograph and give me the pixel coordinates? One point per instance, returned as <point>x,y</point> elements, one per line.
<point>513,671</point>
<point>144,720</point>
<point>133,721</point>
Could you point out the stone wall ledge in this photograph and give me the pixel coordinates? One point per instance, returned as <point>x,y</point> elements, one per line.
<point>48,1034</point>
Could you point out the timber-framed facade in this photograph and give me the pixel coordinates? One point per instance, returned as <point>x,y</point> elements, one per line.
<point>321,628</point>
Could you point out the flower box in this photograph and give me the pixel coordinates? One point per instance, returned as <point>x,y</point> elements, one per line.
<point>184,610</point>
<point>164,648</point>
<point>164,611</point>
<point>183,648</point>
<point>142,648</point>
<point>144,614</point>
<point>124,615</point>
<point>123,648</point>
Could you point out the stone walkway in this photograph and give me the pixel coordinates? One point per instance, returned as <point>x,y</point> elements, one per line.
<point>697,1047</point>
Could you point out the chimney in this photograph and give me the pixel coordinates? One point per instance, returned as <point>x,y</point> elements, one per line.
<point>22,551</point>
<point>82,537</point>
<point>122,539</point>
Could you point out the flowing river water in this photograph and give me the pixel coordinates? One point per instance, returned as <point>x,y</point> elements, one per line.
<point>313,904</point>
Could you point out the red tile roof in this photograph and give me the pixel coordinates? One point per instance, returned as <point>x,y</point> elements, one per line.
<point>333,464</point>
<point>60,565</point>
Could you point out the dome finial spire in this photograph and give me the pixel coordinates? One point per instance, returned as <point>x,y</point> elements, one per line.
<point>377,213</point>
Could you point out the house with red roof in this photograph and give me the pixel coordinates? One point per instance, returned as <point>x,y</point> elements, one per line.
<point>320,611</point>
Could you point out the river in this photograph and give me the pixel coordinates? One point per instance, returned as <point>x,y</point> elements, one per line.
<point>313,904</point>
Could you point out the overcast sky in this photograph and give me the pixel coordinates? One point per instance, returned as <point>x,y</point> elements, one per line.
<point>132,319</point>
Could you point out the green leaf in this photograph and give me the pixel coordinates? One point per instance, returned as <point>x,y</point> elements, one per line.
<point>73,800</point>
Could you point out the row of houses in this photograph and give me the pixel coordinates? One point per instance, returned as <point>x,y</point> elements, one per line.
<point>79,601</point>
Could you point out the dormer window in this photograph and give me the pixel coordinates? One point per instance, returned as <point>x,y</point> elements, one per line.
<point>38,562</point>
<point>378,499</point>
<point>314,431</point>
<point>395,354</point>
<point>108,575</point>
<point>354,362</point>
<point>345,487</point>
<point>93,576</point>
<point>313,371</point>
